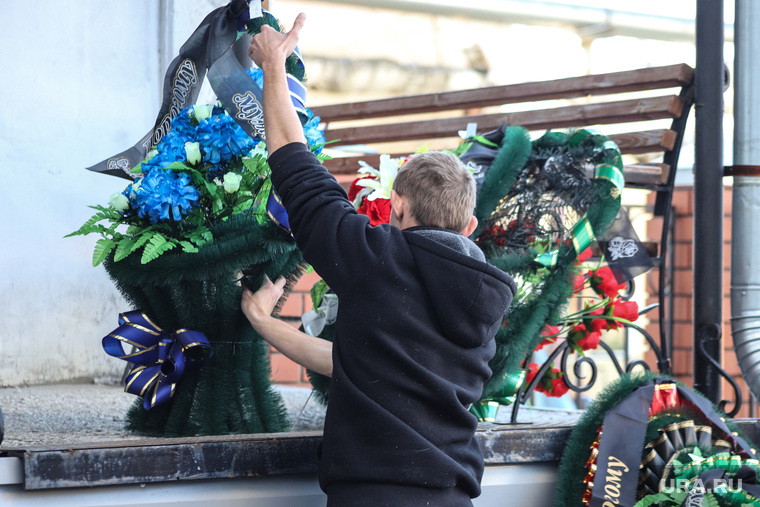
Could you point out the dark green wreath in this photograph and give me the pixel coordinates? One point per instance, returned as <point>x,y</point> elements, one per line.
<point>667,454</point>
<point>527,195</point>
<point>232,392</point>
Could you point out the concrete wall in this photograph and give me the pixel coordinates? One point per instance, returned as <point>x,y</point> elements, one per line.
<point>79,84</point>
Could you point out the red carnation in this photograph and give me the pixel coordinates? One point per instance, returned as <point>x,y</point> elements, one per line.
<point>604,283</point>
<point>378,211</point>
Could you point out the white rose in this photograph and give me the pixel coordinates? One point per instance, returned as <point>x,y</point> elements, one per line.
<point>232,182</point>
<point>201,112</point>
<point>119,201</point>
<point>193,153</point>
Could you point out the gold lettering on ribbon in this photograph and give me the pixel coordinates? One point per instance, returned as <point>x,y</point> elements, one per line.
<point>184,81</point>
<point>615,470</point>
<point>250,110</point>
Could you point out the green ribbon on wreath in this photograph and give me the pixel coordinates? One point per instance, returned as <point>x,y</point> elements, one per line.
<point>611,170</point>
<point>486,409</point>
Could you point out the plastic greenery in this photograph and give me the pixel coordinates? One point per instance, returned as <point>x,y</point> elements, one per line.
<point>530,200</point>
<point>602,308</point>
<point>571,484</point>
<point>203,171</point>
<point>292,63</point>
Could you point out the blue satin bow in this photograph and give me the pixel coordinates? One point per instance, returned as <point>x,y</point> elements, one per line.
<point>159,359</point>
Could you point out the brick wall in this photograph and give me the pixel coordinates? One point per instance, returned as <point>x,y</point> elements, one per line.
<point>285,371</point>
<point>683,280</point>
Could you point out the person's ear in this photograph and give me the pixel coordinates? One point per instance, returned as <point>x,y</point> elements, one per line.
<point>470,228</point>
<point>398,205</point>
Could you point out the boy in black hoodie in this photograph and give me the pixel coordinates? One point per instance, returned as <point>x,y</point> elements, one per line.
<point>419,308</point>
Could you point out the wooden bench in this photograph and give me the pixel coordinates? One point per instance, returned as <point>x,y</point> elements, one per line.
<point>644,111</point>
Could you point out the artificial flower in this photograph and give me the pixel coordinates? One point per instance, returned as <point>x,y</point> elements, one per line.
<point>628,310</point>
<point>357,193</point>
<point>119,201</point>
<point>586,339</point>
<point>203,170</point>
<point>604,283</point>
<point>232,182</point>
<point>165,195</point>
<point>584,255</point>
<point>551,384</point>
<point>193,153</point>
<point>202,111</point>
<point>221,139</point>
<point>315,137</point>
<point>579,282</point>
<point>595,321</point>
<point>257,74</point>
<point>378,211</point>
<point>550,334</point>
<point>382,182</point>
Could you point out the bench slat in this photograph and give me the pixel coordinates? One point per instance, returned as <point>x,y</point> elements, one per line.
<point>636,175</point>
<point>602,84</point>
<point>561,117</point>
<point>630,143</point>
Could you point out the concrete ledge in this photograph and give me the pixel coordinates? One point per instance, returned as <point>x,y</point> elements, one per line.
<point>237,456</point>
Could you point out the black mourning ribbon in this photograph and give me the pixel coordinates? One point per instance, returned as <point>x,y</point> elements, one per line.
<point>211,49</point>
<point>624,252</point>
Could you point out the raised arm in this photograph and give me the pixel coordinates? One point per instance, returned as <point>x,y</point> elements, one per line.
<point>308,351</point>
<point>269,49</point>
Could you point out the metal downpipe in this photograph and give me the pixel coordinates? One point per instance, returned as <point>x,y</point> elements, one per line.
<point>745,245</point>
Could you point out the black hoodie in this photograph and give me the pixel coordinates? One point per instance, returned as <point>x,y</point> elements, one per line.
<point>413,338</point>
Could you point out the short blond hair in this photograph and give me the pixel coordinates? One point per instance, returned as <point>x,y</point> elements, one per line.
<point>440,190</point>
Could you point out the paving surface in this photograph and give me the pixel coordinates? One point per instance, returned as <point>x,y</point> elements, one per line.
<point>77,413</point>
<point>65,414</point>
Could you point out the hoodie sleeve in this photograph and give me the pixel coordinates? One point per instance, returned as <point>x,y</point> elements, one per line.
<point>338,242</point>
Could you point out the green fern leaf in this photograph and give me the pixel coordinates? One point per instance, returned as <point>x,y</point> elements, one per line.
<point>157,245</point>
<point>710,500</point>
<point>661,499</point>
<point>124,248</point>
<point>188,247</point>
<point>141,240</point>
<point>201,236</point>
<point>102,248</point>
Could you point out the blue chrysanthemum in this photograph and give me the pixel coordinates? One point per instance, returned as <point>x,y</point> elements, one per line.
<point>221,139</point>
<point>314,136</point>
<point>171,148</point>
<point>164,195</point>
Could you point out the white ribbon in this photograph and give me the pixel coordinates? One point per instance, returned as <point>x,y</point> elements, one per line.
<point>314,321</point>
